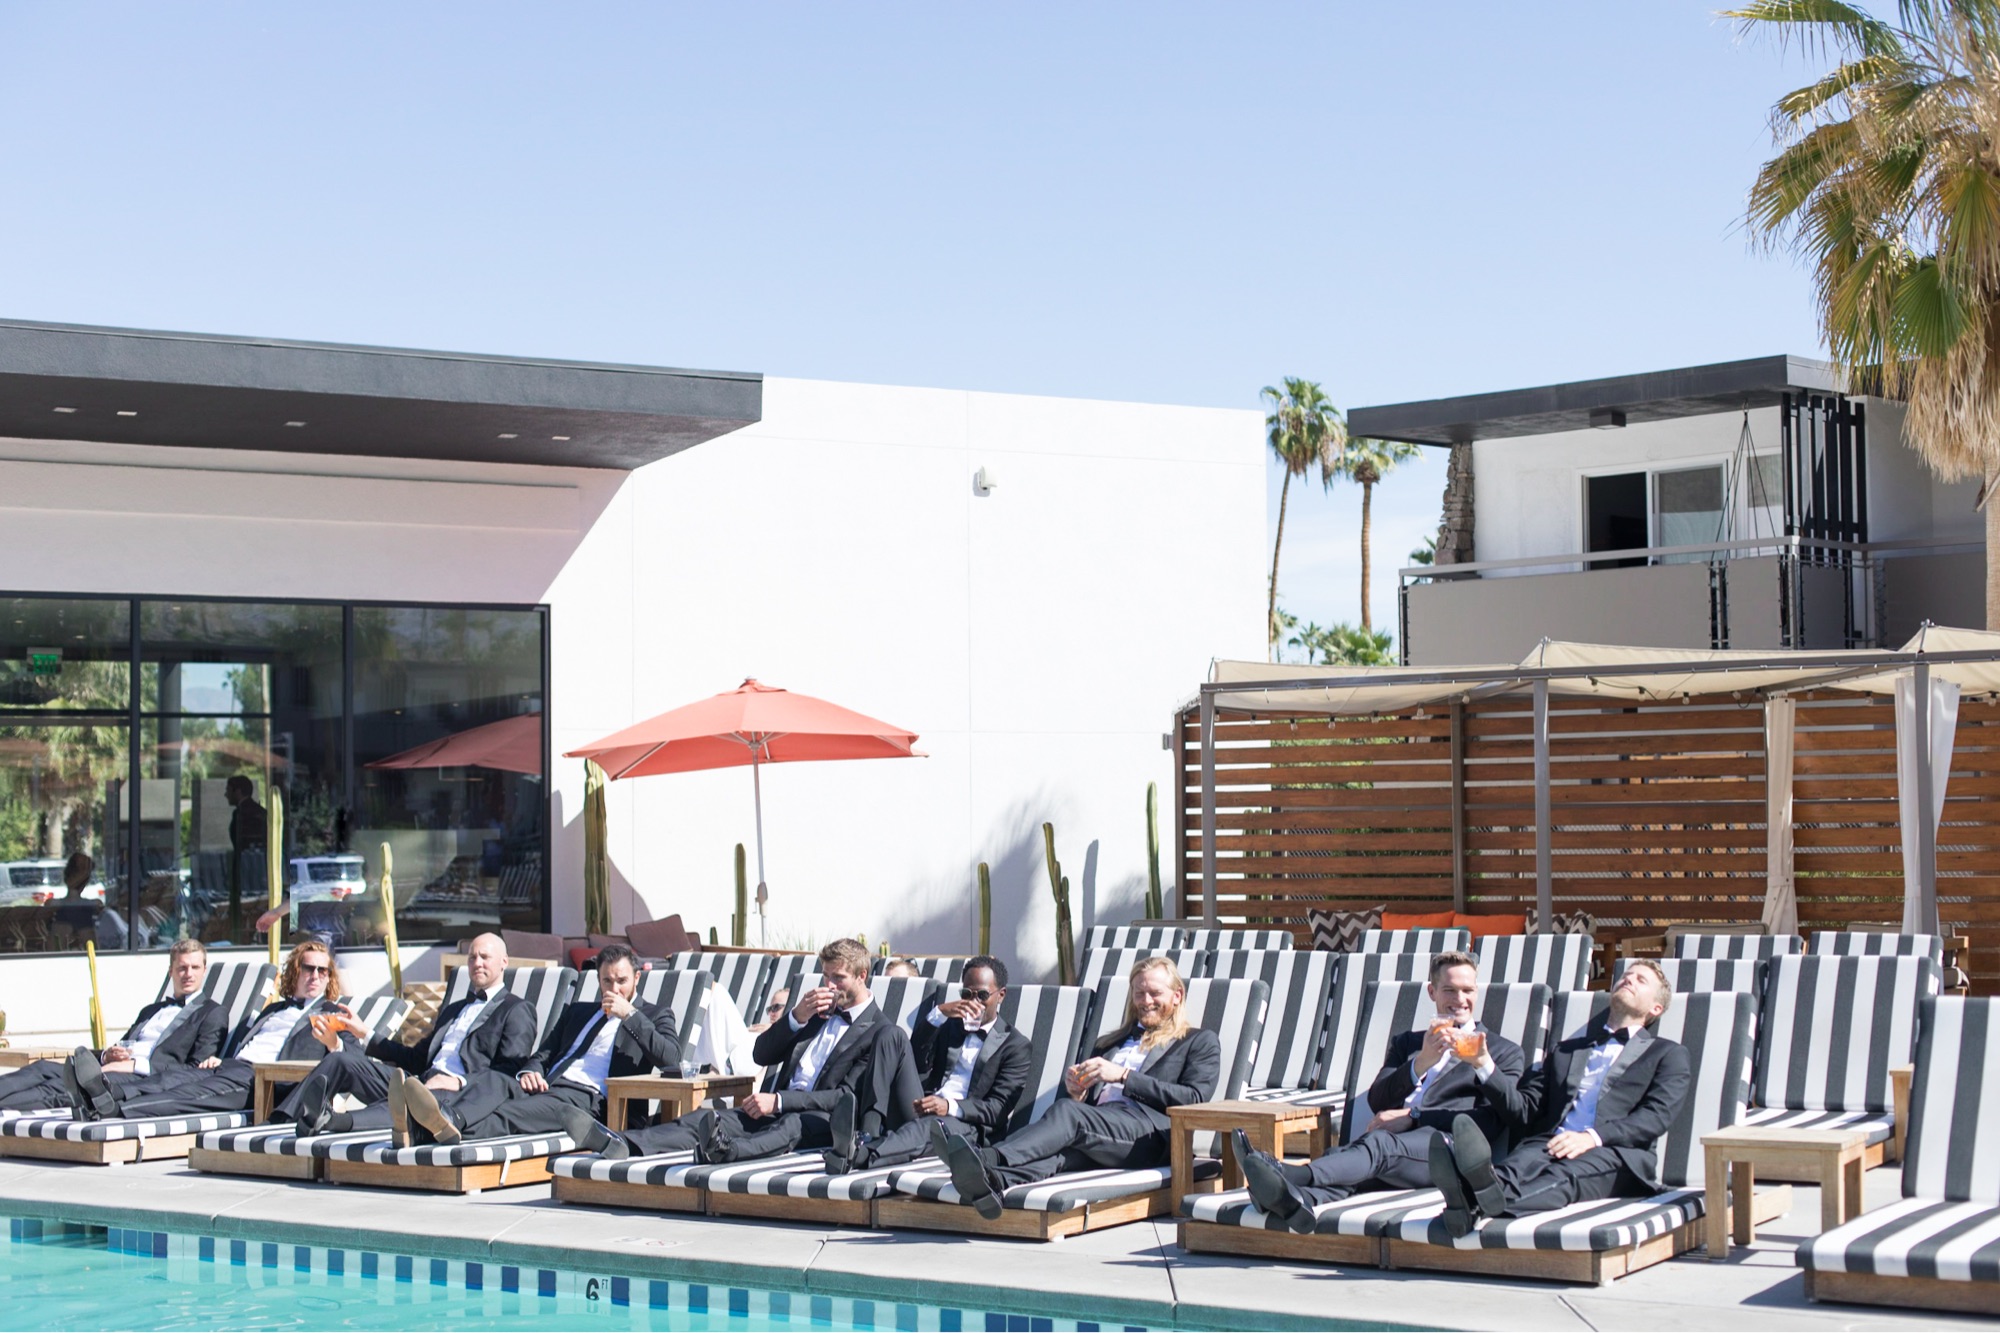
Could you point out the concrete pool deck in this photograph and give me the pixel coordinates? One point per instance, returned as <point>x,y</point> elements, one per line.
<point>1132,1273</point>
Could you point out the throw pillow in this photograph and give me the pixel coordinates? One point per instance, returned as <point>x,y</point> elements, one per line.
<point>1339,932</point>
<point>1417,920</point>
<point>1566,923</point>
<point>1490,924</point>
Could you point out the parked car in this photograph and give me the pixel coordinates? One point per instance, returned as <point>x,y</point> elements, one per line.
<point>338,878</point>
<point>33,883</point>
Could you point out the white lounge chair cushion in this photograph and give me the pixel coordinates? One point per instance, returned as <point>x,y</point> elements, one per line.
<point>794,1176</point>
<point>1352,1216</point>
<point>471,1152</point>
<point>283,1141</point>
<point>1958,1242</point>
<point>1057,1194</point>
<point>1599,1225</point>
<point>59,1125</point>
<point>1879,1127</point>
<point>670,1168</point>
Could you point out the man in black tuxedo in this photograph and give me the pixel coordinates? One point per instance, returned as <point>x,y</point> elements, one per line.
<point>973,1068</point>
<point>283,1031</point>
<point>488,1029</point>
<point>1425,1086</point>
<point>1602,1101</point>
<point>175,1033</point>
<point>616,1035</point>
<point>838,1067</point>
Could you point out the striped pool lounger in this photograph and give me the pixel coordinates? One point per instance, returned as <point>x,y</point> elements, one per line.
<point>1938,1247</point>
<point>55,1135</point>
<point>275,1150</point>
<point>796,1187</point>
<point>659,1182</point>
<point>456,1168</point>
<point>1076,1201</point>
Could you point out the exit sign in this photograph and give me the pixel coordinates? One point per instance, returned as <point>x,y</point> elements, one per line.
<point>44,661</point>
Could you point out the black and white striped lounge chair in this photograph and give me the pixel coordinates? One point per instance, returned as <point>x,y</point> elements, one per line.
<point>1353,974</point>
<point>746,976</point>
<point>1431,940</point>
<point>1078,1201</point>
<point>547,989</point>
<point>1588,1242</point>
<point>1560,962</point>
<point>241,986</point>
<point>455,1168</point>
<point>1104,963</point>
<point>1301,983</point>
<point>789,972</point>
<point>1760,947</point>
<point>1700,974</point>
<point>944,971</point>
<point>1156,938</point>
<point>1937,1247</point>
<point>1831,1030</point>
<point>1224,939</point>
<point>1883,944</point>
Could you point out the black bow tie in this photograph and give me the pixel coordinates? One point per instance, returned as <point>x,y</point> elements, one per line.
<point>978,1032</point>
<point>1606,1033</point>
<point>173,1003</point>
<point>479,997</point>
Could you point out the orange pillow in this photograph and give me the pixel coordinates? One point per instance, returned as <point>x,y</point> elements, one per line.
<point>1417,921</point>
<point>1482,926</point>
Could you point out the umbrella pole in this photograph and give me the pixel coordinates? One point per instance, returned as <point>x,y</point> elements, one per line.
<point>757,786</point>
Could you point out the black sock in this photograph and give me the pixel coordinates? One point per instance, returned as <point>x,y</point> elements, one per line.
<point>1296,1173</point>
<point>340,1122</point>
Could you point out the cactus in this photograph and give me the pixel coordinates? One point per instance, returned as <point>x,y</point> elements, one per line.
<point>713,942</point>
<point>882,949</point>
<point>1059,886</point>
<point>596,852</point>
<point>739,925</point>
<point>1155,900</point>
<point>985,910</point>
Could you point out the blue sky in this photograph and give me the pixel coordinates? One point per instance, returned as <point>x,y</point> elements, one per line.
<point>1176,203</point>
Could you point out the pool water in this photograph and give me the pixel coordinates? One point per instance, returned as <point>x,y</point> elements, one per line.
<point>63,1275</point>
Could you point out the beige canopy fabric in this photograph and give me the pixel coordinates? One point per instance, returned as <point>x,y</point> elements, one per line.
<point>1386,689</point>
<point>1781,897</point>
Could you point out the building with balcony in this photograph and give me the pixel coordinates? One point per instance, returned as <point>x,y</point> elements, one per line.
<point>1748,504</point>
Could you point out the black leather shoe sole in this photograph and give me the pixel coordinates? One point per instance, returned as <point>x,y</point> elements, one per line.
<point>968,1177</point>
<point>1269,1190</point>
<point>1474,1157</point>
<point>90,1096</point>
<point>587,1134</point>
<point>421,1105</point>
<point>1457,1215</point>
<point>841,1126</point>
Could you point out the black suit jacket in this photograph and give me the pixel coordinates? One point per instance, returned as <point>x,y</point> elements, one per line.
<point>503,1039</point>
<point>197,1034</point>
<point>862,1062</point>
<point>1495,1105</point>
<point>1179,1073</point>
<point>301,1044</point>
<point>1636,1103</point>
<point>645,1043</point>
<point>999,1073</point>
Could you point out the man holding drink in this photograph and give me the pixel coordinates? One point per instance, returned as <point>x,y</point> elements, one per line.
<point>1455,1068</point>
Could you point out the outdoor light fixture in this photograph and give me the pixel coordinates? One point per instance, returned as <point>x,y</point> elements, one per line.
<point>1606,418</point>
<point>561,438</point>
<point>65,409</point>
<point>128,414</point>
<point>984,481</point>
<point>295,423</point>
<point>508,435</point>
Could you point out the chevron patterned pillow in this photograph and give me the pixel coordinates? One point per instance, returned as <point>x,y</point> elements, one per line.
<point>1339,932</point>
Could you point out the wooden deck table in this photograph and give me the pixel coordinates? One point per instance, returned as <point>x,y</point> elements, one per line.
<point>265,1077</point>
<point>1267,1124</point>
<point>677,1096</point>
<point>15,1057</point>
<point>1833,1157</point>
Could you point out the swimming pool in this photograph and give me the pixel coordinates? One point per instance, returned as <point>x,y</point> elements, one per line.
<point>62,1275</point>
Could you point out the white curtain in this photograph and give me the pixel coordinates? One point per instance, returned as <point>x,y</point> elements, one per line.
<point>1781,901</point>
<point>1920,913</point>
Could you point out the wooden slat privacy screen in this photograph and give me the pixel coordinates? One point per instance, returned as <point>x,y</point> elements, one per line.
<point>1658,808</point>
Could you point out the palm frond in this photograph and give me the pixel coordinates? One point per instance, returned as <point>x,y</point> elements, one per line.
<point>1817,24</point>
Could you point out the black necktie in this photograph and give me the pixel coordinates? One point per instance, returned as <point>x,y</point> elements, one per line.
<point>582,1044</point>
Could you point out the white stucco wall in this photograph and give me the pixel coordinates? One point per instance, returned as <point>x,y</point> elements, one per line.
<point>1037,637</point>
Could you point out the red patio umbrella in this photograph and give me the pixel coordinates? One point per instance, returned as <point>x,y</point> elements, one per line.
<point>754,724</point>
<point>513,744</point>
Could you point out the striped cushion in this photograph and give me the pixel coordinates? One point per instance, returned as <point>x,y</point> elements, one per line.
<point>661,1169</point>
<point>1333,1099</point>
<point>1882,943</point>
<point>60,1125</point>
<point>906,999</point>
<point>1560,962</point>
<point>382,1015</point>
<point>1154,938</point>
<point>1356,1215</point>
<point>1760,947</point>
<point>1926,1237</point>
<point>1352,977</point>
<point>1232,1010</point>
<point>1519,1013</point>
<point>1301,984</point>
<point>1414,941</point>
<point>798,1176</point>
<point>1223,938</point>
<point>1953,1150</point>
<point>1693,974</point>
<point>1834,1027</point>
<point>547,989</point>
<point>284,1140</point>
<point>1057,1194</point>
<point>682,992</point>
<point>1605,1224</point>
<point>1340,932</point>
<point>1056,1019</point>
<point>239,985</point>
<point>470,1152</point>
<point>1099,964</point>
<point>744,975</point>
<point>945,971</point>
<point>1879,1127</point>
<point>787,972</point>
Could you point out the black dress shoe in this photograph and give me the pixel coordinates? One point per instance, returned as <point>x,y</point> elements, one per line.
<point>420,1104</point>
<point>90,1095</point>
<point>938,1138</point>
<point>315,1108</point>
<point>841,1127</point>
<point>589,1136</point>
<point>715,1147</point>
<point>969,1178</point>
<point>399,1109</point>
<point>1457,1216</point>
<point>1474,1156</point>
<point>1272,1193</point>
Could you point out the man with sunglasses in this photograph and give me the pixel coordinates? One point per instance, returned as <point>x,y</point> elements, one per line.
<point>284,1030</point>
<point>974,1067</point>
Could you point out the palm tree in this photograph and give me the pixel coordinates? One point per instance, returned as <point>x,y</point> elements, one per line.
<point>1304,428</point>
<point>1367,462</point>
<point>1888,181</point>
<point>1342,644</point>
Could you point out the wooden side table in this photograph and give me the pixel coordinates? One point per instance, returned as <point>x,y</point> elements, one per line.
<point>15,1057</point>
<point>1833,1157</point>
<point>1267,1124</point>
<point>677,1096</point>
<point>265,1077</point>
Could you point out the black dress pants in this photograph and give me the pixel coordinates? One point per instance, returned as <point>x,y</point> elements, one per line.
<point>1376,1160</point>
<point>35,1087</point>
<point>751,1136</point>
<point>908,1142</point>
<point>347,1071</point>
<point>493,1105</point>
<point>1534,1182</point>
<point>1075,1136</point>
<point>185,1091</point>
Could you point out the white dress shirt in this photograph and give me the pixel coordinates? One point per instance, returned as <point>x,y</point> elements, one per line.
<point>959,1081</point>
<point>1582,1117</point>
<point>1129,1057</point>
<point>447,1059</point>
<point>268,1038</point>
<point>594,1065</point>
<point>142,1042</point>
<point>820,1048</point>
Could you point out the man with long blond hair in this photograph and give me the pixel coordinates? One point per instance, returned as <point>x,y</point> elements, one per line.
<point>309,987</point>
<point>1113,1112</point>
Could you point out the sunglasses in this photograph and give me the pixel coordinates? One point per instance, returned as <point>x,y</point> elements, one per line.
<point>316,969</point>
<point>774,1008</point>
<point>967,993</point>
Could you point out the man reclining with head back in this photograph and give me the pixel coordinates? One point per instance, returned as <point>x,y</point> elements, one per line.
<point>973,1068</point>
<point>489,1029</point>
<point>293,1027</point>
<point>613,1036</point>
<point>1603,1099</point>
<point>839,1067</point>
<point>181,1030</point>
<point>1114,1109</point>
<point>1452,1069</point>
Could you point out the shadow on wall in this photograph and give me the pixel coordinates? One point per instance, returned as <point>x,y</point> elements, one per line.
<point>626,904</point>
